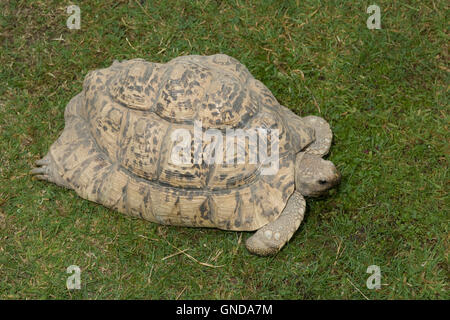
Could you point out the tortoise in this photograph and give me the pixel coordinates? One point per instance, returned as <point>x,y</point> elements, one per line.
<point>117,149</point>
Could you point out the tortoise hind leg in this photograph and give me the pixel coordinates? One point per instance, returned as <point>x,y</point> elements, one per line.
<point>46,170</point>
<point>74,160</point>
<point>272,237</point>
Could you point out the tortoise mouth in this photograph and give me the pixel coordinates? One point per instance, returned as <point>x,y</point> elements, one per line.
<point>319,194</point>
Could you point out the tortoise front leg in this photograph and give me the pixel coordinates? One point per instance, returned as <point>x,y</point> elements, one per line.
<point>272,237</point>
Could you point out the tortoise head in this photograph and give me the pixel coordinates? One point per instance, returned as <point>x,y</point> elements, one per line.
<point>314,176</point>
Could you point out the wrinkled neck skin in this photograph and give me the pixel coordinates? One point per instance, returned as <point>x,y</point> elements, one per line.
<point>314,176</point>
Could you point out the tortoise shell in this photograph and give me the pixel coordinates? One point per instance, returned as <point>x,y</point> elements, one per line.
<point>115,149</point>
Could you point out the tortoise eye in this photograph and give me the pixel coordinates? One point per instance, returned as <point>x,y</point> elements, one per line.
<point>322,181</point>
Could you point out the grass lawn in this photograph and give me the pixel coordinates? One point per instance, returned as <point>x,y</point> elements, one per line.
<point>384,92</point>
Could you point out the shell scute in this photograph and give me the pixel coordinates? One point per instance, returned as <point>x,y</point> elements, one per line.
<point>132,86</point>
<point>143,138</point>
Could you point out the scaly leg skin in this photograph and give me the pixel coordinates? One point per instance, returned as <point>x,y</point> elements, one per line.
<point>46,170</point>
<point>322,129</point>
<point>272,237</point>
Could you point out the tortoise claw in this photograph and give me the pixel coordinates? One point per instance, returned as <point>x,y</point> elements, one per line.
<point>42,177</point>
<point>42,162</point>
<point>40,170</point>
